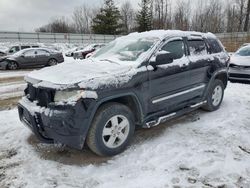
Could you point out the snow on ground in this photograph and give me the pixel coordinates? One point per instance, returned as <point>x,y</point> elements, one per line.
<point>4,74</point>
<point>11,90</point>
<point>200,149</point>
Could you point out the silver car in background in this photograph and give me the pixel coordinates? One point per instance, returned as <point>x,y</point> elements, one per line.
<point>239,67</point>
<point>32,57</point>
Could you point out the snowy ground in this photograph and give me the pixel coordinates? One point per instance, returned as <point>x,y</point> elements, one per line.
<point>200,149</point>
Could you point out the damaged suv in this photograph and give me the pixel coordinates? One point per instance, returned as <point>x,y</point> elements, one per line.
<point>139,80</point>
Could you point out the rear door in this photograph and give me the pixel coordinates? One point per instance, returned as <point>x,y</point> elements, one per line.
<point>168,82</point>
<point>200,61</point>
<point>42,57</point>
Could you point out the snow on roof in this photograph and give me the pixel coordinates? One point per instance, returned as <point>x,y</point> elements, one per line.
<point>162,34</point>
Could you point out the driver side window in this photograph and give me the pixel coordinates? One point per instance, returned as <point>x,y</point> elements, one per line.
<point>176,48</point>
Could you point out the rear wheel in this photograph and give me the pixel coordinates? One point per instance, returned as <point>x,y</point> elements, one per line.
<point>215,96</point>
<point>112,129</point>
<point>12,65</point>
<point>52,62</point>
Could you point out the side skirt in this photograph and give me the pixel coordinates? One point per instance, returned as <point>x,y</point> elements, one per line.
<point>166,117</point>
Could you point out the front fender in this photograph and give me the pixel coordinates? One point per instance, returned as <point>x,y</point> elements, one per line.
<point>3,64</point>
<point>93,109</point>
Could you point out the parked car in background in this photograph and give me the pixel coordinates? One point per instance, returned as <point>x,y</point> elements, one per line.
<point>139,80</point>
<point>239,67</point>
<point>70,53</point>
<point>17,48</point>
<point>32,57</point>
<point>245,44</point>
<point>2,53</point>
<point>81,54</point>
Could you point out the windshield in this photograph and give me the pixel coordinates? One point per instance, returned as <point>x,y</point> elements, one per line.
<point>126,49</point>
<point>245,51</point>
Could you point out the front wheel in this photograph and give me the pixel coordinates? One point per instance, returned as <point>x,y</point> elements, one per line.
<point>112,129</point>
<point>215,96</point>
<point>12,65</point>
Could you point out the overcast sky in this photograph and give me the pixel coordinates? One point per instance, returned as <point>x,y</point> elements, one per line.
<point>27,15</point>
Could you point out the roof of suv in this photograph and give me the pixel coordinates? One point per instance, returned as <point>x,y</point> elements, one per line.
<point>162,34</point>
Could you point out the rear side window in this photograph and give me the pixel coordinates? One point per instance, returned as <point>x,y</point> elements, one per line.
<point>197,47</point>
<point>214,45</point>
<point>35,46</point>
<point>42,52</point>
<point>24,47</point>
<point>175,47</point>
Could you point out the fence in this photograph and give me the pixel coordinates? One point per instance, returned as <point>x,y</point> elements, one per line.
<point>26,37</point>
<point>231,41</point>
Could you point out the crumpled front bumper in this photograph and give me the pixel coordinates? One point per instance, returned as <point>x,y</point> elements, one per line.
<point>3,64</point>
<point>239,74</point>
<point>60,124</point>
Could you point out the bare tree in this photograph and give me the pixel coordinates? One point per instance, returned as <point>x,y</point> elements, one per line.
<point>246,25</point>
<point>182,15</point>
<point>162,14</point>
<point>209,17</point>
<point>127,17</point>
<point>57,25</point>
<point>82,19</point>
<point>241,4</point>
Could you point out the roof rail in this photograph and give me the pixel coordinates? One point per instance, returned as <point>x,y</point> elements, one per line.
<point>196,35</point>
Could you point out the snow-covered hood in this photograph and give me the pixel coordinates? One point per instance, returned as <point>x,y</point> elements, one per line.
<point>83,74</point>
<point>240,60</point>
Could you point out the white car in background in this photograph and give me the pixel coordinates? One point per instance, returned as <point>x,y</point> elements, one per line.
<point>16,48</point>
<point>239,67</point>
<point>3,52</point>
<point>70,52</point>
<point>90,49</point>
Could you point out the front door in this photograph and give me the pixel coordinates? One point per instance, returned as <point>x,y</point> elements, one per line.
<point>28,58</point>
<point>42,57</point>
<point>168,82</point>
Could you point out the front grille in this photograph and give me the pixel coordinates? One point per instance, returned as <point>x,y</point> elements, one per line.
<point>239,66</point>
<point>239,75</point>
<point>42,96</point>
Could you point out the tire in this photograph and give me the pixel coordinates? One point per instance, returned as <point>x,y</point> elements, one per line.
<point>112,129</point>
<point>12,65</point>
<point>52,62</point>
<point>215,96</point>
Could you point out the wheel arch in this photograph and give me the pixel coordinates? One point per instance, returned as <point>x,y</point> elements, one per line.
<point>222,75</point>
<point>12,60</point>
<point>128,99</point>
<point>52,58</point>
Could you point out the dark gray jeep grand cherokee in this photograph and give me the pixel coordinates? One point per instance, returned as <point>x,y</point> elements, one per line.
<point>143,79</point>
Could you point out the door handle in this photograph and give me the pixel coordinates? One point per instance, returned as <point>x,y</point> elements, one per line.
<point>184,67</point>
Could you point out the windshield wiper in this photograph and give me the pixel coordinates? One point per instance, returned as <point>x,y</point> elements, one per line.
<point>109,61</point>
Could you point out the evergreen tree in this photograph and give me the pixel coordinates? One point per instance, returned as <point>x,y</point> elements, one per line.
<point>107,20</point>
<point>144,17</point>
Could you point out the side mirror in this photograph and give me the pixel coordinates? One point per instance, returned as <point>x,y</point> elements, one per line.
<point>11,51</point>
<point>161,58</point>
<point>22,55</point>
